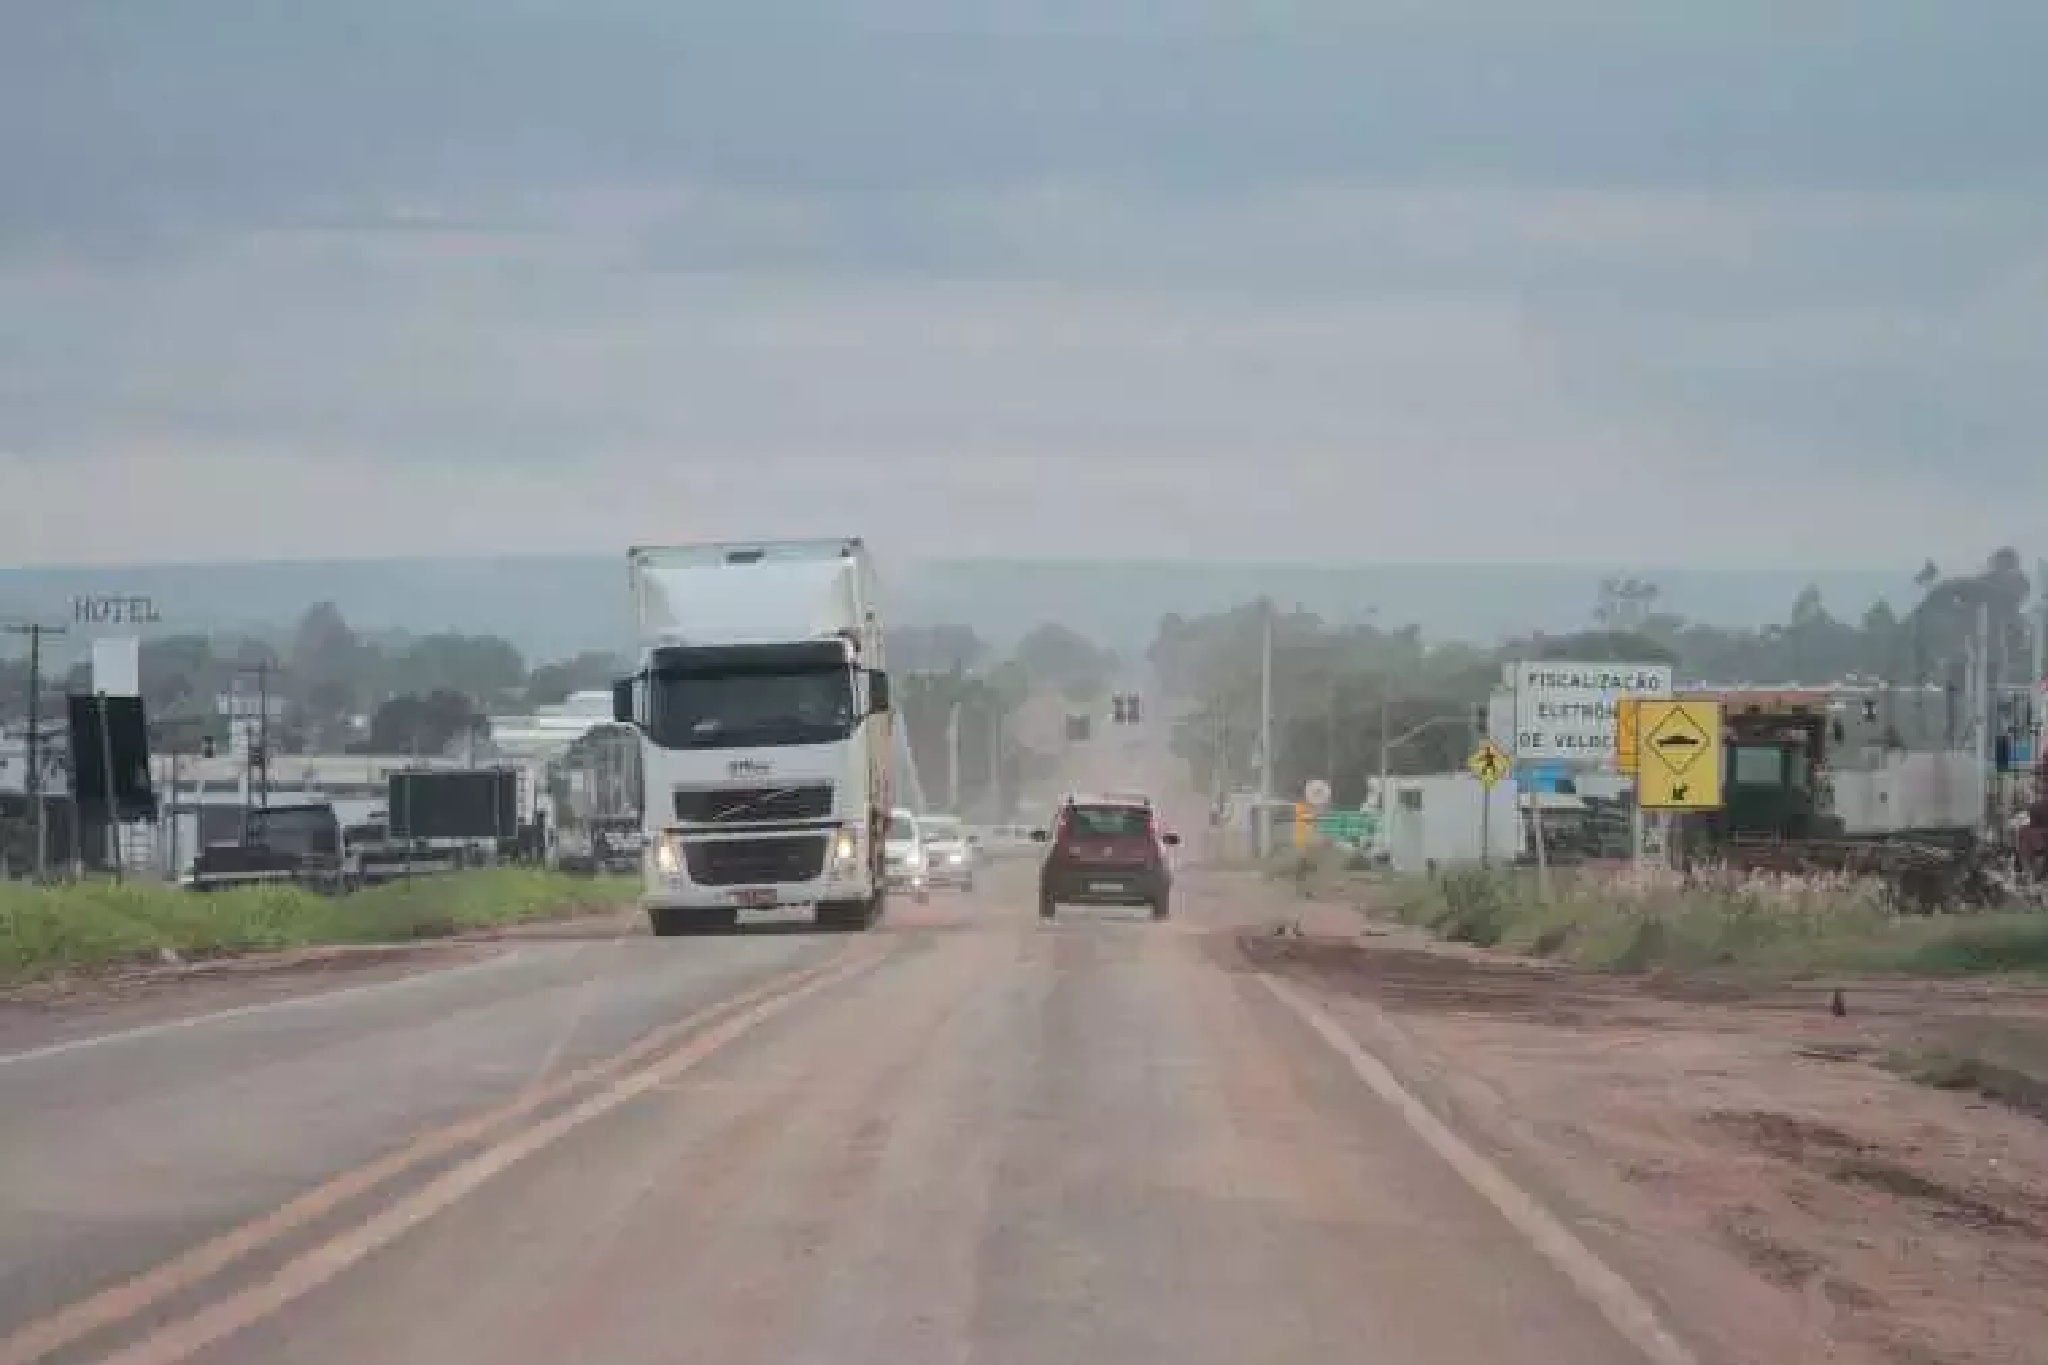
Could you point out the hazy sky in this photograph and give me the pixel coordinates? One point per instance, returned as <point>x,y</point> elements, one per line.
<point>1237,278</point>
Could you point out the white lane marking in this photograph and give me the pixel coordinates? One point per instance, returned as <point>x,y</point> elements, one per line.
<point>1617,1301</point>
<point>135,1035</point>
<point>178,1341</point>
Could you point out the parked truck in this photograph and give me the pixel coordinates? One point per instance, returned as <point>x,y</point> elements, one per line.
<point>762,704</point>
<point>1778,811</point>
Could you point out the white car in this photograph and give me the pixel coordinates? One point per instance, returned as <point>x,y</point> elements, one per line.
<point>949,852</point>
<point>905,864</point>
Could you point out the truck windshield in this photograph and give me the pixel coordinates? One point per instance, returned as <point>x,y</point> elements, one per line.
<point>729,710</point>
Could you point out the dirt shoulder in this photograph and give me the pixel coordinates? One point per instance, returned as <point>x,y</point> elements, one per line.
<point>1752,1161</point>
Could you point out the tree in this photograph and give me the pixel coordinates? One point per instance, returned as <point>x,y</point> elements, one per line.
<point>480,666</point>
<point>1054,656</point>
<point>327,664</point>
<point>180,675</point>
<point>427,724</point>
<point>925,705</point>
<point>551,684</point>
<point>936,649</point>
<point>1625,603</point>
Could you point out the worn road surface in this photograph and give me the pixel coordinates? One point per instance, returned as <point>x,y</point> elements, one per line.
<point>966,1136</point>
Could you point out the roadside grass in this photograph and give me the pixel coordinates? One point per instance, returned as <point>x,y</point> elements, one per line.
<point>1997,1060</point>
<point>52,931</point>
<point>1649,920</point>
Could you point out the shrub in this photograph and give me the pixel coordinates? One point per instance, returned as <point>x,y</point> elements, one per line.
<point>46,931</point>
<point>1651,918</point>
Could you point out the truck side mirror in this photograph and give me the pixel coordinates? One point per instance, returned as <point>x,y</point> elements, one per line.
<point>878,693</point>
<point>622,701</point>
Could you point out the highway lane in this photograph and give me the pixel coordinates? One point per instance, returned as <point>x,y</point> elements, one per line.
<point>967,1137</point>
<point>116,1153</point>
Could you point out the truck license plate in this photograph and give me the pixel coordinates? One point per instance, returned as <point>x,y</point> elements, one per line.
<point>754,896</point>
<point>1105,888</point>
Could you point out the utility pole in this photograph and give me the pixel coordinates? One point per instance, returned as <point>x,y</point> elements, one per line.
<point>953,757</point>
<point>263,732</point>
<point>1330,735</point>
<point>1386,755</point>
<point>995,762</point>
<point>1981,713</point>
<point>106,758</point>
<point>33,783</point>
<point>2040,627</point>
<point>256,766</point>
<point>1219,748</point>
<point>1263,827</point>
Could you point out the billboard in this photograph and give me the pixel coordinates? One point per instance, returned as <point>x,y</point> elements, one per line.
<point>114,754</point>
<point>453,803</point>
<point>1567,710</point>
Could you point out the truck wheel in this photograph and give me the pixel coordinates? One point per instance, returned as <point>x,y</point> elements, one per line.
<point>849,916</point>
<point>1160,908</point>
<point>667,923</point>
<point>1045,907</point>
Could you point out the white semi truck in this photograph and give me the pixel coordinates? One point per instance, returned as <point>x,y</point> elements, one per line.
<point>767,744</point>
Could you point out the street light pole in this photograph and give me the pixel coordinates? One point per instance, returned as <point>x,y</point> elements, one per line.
<point>1263,824</point>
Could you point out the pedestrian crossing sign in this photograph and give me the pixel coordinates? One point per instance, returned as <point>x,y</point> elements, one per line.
<point>1488,763</point>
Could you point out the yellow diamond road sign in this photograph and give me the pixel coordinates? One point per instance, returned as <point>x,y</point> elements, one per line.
<point>1488,763</point>
<point>1679,761</point>
<point>1626,735</point>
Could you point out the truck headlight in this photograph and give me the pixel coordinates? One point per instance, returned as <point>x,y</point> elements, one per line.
<point>845,849</point>
<point>668,855</point>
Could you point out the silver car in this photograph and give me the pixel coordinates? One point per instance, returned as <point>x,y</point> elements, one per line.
<point>905,864</point>
<point>949,852</point>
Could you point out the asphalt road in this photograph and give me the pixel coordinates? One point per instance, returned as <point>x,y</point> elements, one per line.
<point>966,1136</point>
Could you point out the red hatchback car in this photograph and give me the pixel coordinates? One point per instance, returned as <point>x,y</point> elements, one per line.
<point>1105,852</point>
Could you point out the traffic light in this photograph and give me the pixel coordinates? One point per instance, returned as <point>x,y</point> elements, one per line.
<point>1123,708</point>
<point>1131,707</point>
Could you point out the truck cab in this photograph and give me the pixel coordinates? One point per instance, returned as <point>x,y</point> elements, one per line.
<point>1774,773</point>
<point>763,709</point>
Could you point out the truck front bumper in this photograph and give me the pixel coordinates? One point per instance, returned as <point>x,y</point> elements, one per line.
<point>683,895</point>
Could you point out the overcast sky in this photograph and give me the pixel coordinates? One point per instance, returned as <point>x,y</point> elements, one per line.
<point>1358,279</point>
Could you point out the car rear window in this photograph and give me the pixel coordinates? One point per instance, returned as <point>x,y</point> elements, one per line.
<point>1107,822</point>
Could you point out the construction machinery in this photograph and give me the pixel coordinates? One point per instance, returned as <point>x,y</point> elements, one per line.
<point>1778,815</point>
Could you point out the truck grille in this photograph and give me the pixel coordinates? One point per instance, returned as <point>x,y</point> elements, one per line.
<point>737,862</point>
<point>709,805</point>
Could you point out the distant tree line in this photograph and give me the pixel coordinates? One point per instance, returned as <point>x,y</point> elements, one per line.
<point>336,688</point>
<point>1339,689</point>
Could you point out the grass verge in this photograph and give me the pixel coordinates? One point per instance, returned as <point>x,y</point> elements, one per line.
<point>1645,920</point>
<point>51,931</point>
<point>2005,1065</point>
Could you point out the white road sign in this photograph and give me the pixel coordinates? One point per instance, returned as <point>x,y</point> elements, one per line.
<point>1565,709</point>
<point>1317,792</point>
